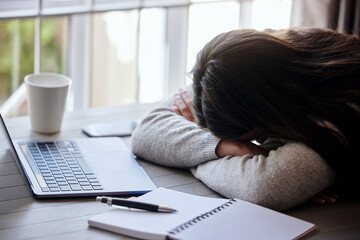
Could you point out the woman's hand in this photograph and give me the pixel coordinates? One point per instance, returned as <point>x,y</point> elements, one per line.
<point>325,196</point>
<point>228,147</point>
<point>183,105</point>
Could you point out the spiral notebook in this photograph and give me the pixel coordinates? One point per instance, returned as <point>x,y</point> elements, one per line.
<point>201,218</point>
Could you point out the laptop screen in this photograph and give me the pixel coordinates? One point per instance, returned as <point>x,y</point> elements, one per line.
<point>6,139</point>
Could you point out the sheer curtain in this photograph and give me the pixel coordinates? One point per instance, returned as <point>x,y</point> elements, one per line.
<point>340,15</point>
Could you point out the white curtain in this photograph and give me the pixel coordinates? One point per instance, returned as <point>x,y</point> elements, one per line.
<point>340,15</point>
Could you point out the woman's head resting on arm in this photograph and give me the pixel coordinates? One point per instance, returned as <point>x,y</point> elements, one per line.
<point>278,84</point>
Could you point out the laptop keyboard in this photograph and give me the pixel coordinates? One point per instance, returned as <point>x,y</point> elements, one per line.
<point>62,167</point>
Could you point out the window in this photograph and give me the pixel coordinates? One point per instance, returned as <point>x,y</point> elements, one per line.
<point>205,24</point>
<point>119,52</point>
<point>273,14</point>
<point>152,54</point>
<point>114,54</point>
<point>128,57</point>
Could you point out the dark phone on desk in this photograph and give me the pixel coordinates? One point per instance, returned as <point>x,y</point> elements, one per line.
<point>113,129</point>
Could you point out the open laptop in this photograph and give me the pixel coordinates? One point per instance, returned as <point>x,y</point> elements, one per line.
<point>78,167</point>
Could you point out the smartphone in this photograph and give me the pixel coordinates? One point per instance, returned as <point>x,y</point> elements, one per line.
<point>113,129</point>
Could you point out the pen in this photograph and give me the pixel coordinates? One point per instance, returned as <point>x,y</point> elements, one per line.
<point>134,204</point>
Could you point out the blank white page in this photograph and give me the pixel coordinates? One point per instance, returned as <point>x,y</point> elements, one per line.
<point>243,220</point>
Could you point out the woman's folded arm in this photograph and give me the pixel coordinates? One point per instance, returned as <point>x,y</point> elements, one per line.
<point>169,139</point>
<point>289,176</point>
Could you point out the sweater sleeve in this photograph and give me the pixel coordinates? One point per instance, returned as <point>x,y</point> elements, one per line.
<point>169,139</point>
<point>288,177</point>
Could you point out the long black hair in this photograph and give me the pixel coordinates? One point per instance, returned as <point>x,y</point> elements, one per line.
<point>291,84</point>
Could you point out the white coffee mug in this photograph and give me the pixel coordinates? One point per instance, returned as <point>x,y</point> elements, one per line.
<point>47,94</point>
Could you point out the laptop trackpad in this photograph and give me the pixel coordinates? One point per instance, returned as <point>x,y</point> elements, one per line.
<point>117,169</point>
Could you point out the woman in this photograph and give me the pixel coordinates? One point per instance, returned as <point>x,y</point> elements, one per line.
<point>297,89</point>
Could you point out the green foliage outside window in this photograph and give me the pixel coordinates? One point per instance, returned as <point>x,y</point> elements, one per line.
<point>53,44</point>
<point>16,54</point>
<point>17,50</point>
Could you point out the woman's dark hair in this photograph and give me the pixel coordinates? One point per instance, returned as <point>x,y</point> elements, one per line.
<point>287,84</point>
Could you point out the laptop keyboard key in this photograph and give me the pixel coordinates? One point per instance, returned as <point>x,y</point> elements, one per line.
<point>75,187</point>
<point>72,182</point>
<point>55,189</point>
<point>50,182</point>
<point>84,184</point>
<point>70,179</point>
<point>97,188</point>
<point>61,179</point>
<point>58,174</point>
<point>65,188</point>
<point>87,188</point>
<point>63,184</point>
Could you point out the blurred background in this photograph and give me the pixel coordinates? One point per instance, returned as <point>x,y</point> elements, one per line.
<point>134,51</point>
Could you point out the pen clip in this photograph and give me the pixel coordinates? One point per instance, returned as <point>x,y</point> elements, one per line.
<point>109,201</point>
<point>104,199</point>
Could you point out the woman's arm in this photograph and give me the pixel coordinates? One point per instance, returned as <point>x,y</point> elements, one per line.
<point>228,147</point>
<point>288,177</point>
<point>166,138</point>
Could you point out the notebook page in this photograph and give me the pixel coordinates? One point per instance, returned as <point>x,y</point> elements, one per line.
<point>150,225</point>
<point>243,220</point>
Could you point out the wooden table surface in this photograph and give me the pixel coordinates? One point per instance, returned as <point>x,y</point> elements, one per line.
<point>23,217</point>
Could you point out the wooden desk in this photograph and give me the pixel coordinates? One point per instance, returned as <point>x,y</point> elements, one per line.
<point>23,217</point>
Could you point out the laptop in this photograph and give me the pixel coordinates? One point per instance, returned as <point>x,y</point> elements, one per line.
<point>77,167</point>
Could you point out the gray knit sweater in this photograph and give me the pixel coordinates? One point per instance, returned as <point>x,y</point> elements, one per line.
<point>291,174</point>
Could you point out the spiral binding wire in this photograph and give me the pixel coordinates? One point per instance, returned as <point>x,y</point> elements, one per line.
<point>200,218</point>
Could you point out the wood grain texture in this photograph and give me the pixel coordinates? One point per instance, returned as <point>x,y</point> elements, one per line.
<point>23,217</point>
